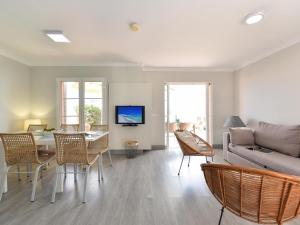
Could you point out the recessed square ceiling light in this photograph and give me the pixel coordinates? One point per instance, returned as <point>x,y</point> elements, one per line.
<point>57,36</point>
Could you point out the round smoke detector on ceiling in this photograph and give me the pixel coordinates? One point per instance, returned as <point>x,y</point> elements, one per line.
<point>134,27</point>
<point>254,18</point>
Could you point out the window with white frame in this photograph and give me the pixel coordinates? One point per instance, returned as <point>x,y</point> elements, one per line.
<point>82,101</point>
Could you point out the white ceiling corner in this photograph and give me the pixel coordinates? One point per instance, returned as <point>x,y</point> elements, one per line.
<point>9,53</point>
<point>268,53</point>
<point>186,69</point>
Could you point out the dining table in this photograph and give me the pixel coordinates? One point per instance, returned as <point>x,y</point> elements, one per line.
<point>48,140</point>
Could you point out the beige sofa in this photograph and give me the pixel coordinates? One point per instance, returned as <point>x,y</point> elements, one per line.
<point>284,141</point>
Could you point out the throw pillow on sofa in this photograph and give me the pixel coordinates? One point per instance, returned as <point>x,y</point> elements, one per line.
<point>281,138</point>
<point>241,136</point>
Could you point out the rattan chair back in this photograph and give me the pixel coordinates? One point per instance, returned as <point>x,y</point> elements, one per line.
<point>186,126</point>
<point>36,127</point>
<point>259,196</point>
<point>71,148</point>
<point>19,148</point>
<point>100,127</point>
<point>70,127</point>
<point>101,143</point>
<point>172,127</point>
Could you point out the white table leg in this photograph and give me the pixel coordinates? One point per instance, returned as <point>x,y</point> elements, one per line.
<point>5,185</point>
<point>2,167</point>
<point>60,182</point>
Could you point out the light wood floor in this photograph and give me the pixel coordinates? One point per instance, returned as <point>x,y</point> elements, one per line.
<point>141,191</point>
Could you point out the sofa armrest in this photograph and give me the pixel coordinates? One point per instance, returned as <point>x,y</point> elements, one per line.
<point>226,141</point>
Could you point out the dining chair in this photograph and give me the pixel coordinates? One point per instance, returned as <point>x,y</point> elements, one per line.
<point>101,145</point>
<point>172,126</point>
<point>186,126</point>
<point>20,149</point>
<point>260,196</point>
<point>41,149</point>
<point>36,127</point>
<point>70,127</point>
<point>72,149</point>
<point>193,145</point>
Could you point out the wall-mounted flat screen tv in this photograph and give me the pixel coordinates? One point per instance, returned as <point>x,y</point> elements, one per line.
<point>130,114</point>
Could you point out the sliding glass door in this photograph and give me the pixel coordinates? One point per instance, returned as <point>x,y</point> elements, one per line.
<point>187,107</point>
<point>82,101</point>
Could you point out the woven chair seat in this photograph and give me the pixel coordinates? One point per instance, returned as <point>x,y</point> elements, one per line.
<point>97,150</point>
<point>42,159</point>
<point>193,145</point>
<point>200,148</point>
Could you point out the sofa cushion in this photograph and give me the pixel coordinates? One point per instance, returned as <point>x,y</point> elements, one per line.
<point>281,138</point>
<point>241,136</point>
<point>273,161</point>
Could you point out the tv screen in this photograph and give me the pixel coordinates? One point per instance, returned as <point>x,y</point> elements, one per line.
<point>130,114</point>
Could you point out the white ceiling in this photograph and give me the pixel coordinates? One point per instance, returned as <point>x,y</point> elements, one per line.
<point>174,33</point>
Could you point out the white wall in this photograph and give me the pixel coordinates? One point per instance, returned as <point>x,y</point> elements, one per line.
<point>14,94</point>
<point>43,92</point>
<point>130,94</point>
<point>269,90</point>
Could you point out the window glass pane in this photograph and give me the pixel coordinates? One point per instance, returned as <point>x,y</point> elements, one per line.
<point>70,89</point>
<point>93,90</point>
<point>70,120</point>
<point>93,111</point>
<point>71,107</point>
<point>92,104</point>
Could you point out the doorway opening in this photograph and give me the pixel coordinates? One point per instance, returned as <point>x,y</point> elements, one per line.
<point>187,107</point>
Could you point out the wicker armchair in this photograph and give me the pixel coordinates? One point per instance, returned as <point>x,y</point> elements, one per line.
<point>71,149</point>
<point>101,145</point>
<point>20,149</point>
<point>36,127</point>
<point>70,127</point>
<point>192,145</point>
<point>259,196</point>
